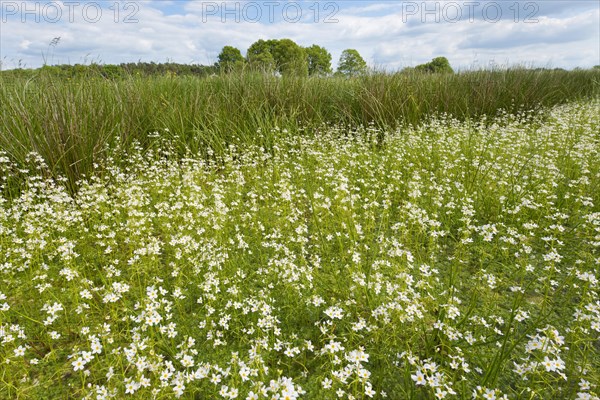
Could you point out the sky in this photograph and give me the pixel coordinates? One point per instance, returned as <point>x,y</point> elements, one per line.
<point>388,34</point>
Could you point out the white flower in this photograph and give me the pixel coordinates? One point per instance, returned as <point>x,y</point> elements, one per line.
<point>334,312</point>
<point>440,394</point>
<point>19,351</point>
<point>187,361</point>
<point>130,388</point>
<point>87,356</point>
<point>489,394</point>
<point>369,391</point>
<point>224,392</point>
<point>252,396</point>
<point>233,393</point>
<point>419,378</point>
<point>78,364</point>
<point>96,347</point>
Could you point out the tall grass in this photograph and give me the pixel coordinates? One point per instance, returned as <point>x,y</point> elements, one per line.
<point>70,123</point>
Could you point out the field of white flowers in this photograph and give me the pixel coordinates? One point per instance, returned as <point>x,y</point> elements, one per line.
<point>450,260</point>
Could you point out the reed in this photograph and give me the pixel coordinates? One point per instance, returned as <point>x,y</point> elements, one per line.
<point>71,122</point>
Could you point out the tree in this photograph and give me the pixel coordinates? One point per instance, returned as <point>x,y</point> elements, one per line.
<point>230,59</point>
<point>259,56</point>
<point>351,63</point>
<point>319,60</point>
<point>439,65</point>
<point>290,58</point>
<point>283,56</point>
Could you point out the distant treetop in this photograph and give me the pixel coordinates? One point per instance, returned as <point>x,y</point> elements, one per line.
<point>437,65</point>
<point>351,63</point>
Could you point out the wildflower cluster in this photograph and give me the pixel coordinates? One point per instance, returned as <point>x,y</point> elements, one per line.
<point>449,260</point>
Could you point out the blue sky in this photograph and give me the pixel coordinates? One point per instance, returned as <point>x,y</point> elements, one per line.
<point>389,34</point>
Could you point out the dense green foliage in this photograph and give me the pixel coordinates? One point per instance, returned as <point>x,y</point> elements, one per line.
<point>351,63</point>
<point>290,58</point>
<point>109,71</point>
<point>230,59</point>
<point>259,56</point>
<point>439,65</point>
<point>319,60</point>
<point>283,56</point>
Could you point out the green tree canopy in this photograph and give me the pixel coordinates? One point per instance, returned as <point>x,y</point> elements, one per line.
<point>290,58</point>
<point>319,60</point>
<point>283,56</point>
<point>230,59</point>
<point>259,56</point>
<point>351,63</point>
<point>437,65</point>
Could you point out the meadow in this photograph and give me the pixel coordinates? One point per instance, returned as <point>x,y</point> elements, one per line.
<point>213,239</point>
<point>71,122</point>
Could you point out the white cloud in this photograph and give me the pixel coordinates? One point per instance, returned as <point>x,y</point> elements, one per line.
<point>24,44</point>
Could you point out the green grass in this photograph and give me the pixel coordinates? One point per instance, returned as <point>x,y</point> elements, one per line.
<point>70,123</point>
<point>454,259</point>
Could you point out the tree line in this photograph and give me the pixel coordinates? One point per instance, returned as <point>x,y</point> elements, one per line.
<point>285,57</point>
<point>118,71</point>
<point>282,57</point>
